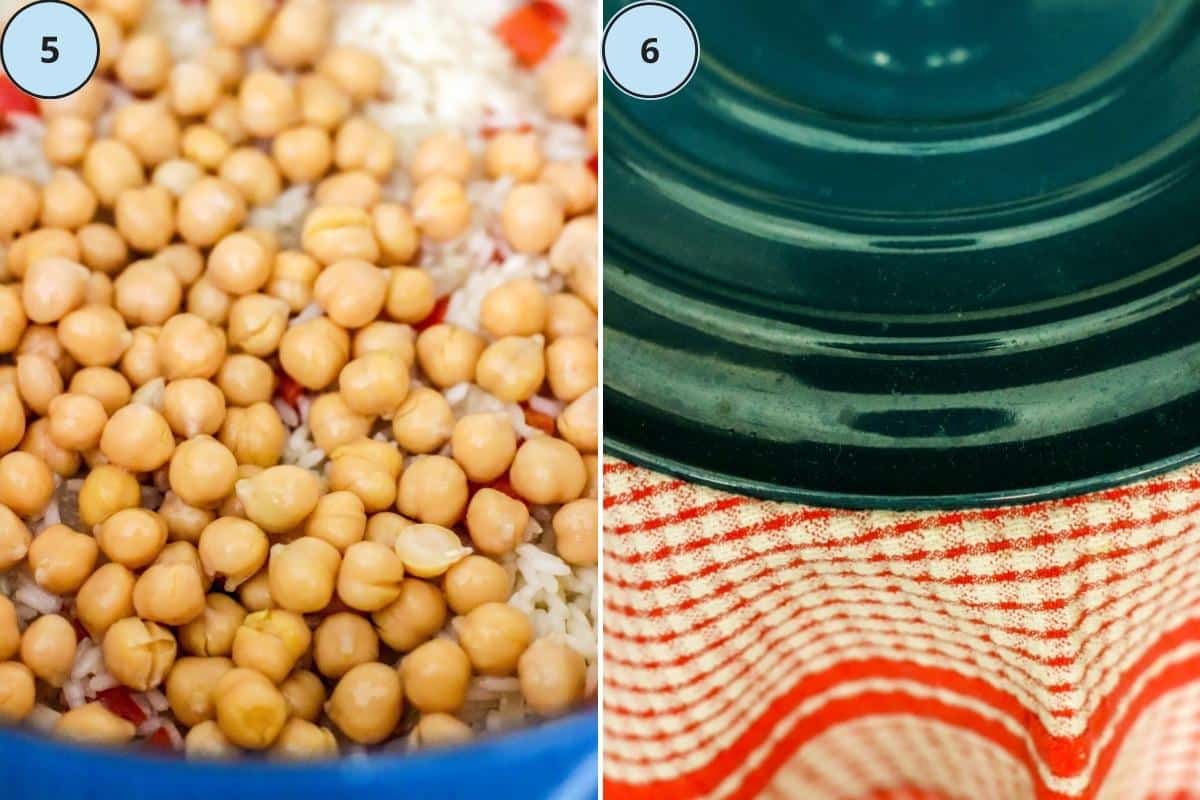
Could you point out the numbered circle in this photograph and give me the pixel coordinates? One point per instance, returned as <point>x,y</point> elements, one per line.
<point>650,50</point>
<point>49,49</point>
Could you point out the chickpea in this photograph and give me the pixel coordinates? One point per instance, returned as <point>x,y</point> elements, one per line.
<point>343,641</point>
<point>139,654</point>
<point>137,438</point>
<point>255,435</point>
<point>339,519</point>
<point>12,318</point>
<point>546,471</point>
<point>226,119</point>
<point>128,13</point>
<point>38,381</point>
<point>386,336</point>
<point>61,559</point>
<point>322,101</point>
<point>176,176</point>
<point>101,247</point>
<point>140,362</point>
<point>67,138</point>
<point>233,547</point>
<point>568,87</point>
<point>361,144</point>
<point>303,154</point>
<point>67,202</point>
<point>433,490</point>
<point>238,23</point>
<point>370,577</point>
<point>314,352</point>
<point>445,153</point>
<point>20,203</point>
<point>99,291</point>
<point>209,210</point>
<point>575,532</point>
<point>411,295</point>
<point>337,233</point>
<point>147,292</point>
<point>250,710</point>
<point>532,217</point>
<point>293,277</point>
<point>299,33</point>
<point>305,694</point>
<point>448,354</point>
<point>205,146</point>
<point>417,614</point>
<point>576,250</point>
<point>474,581</point>
<point>193,406</point>
<point>436,676</point>
<point>110,167</point>
<point>48,648</point>
<point>95,336</point>
<point>424,421</point>
<point>517,308</point>
<point>37,442</point>
<point>106,490</point>
<point>302,574</point>
<point>212,633</point>
<point>496,522</point>
<point>226,62</point>
<point>484,445</point>
<point>26,483</point>
<point>170,593</point>
<point>209,303</point>
<point>271,642</point>
<point>12,417</point>
<point>39,244</point>
<point>253,173</point>
<point>374,487</point>
<point>514,154</point>
<point>267,103</point>
<point>351,292</point>
<point>184,261</point>
<point>301,740</point>
<point>245,380</point>
<point>279,498</point>
<point>88,101</point>
<point>105,597</point>
<point>10,632</point>
<point>190,687</point>
<point>184,522</point>
<point>575,184</point>
<point>440,730</point>
<point>76,421</point>
<point>571,366</point>
<point>567,315</point>
<point>143,63</point>
<point>239,264</point>
<point>375,384</point>
<point>40,340</point>
<point>14,539</point>
<point>357,72</point>
<point>149,133</point>
<point>359,189</point>
<point>367,702</point>
<point>494,635</point>
<point>333,423</point>
<point>18,692</point>
<point>257,323</point>
<point>193,88</point>
<point>441,208</point>
<point>94,724</point>
<point>202,473</point>
<point>578,422</point>
<point>427,551</point>
<point>552,675</point>
<point>205,741</point>
<point>512,368</point>
<point>189,347</point>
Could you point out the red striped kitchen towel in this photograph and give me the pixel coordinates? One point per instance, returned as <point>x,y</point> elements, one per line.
<point>757,649</point>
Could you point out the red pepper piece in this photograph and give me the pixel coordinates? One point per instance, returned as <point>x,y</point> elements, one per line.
<point>119,700</point>
<point>531,31</point>
<point>436,316</point>
<point>537,419</point>
<point>594,164</point>
<point>14,101</point>
<point>160,739</point>
<point>289,390</point>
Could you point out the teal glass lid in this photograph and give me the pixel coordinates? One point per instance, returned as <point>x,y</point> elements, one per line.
<point>910,253</point>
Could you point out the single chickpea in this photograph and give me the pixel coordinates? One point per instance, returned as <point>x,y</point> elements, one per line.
<point>575,184</point>
<point>94,724</point>
<point>370,576</point>
<point>40,340</point>
<point>271,642</point>
<point>433,490</point>
<point>427,550</point>
<point>12,417</point>
<point>209,303</point>
<point>189,347</point>
<point>95,336</point>
<point>568,87</point>
<point>147,292</point>
<point>448,354</point>
<point>301,740</point>
<point>552,676</point>
<point>343,641</point>
<point>193,88</point>
<point>314,352</point>
<point>445,153</point>
<point>512,368</point>
<point>375,384</point>
<point>360,189</point>
<point>206,741</point>
<point>226,119</point>
<point>10,631</point>
<point>184,554</point>
<point>532,217</point>
<point>138,653</point>
<point>411,294</point>
<point>547,471</point>
<point>143,64</point>
<point>305,694</point>
<point>567,315</point>
<point>38,381</point>
<point>226,62</point>
<point>436,676</point>
<point>580,244</point>
<point>53,287</point>
<point>88,101</point>
<point>351,292</point>
<point>20,203</point>
<point>202,474</point>
<point>18,692</point>
<point>386,336</point>
<point>279,498</point>
<point>233,548</point>
<point>67,202</point>
<point>110,167</point>
<point>367,702</point>
<point>417,614</point>
<point>205,146</point>
<point>424,421</point>
<point>48,648</point>
<point>26,483</point>
<point>61,559</point>
<point>255,435</point>
<point>184,522</point>
<point>322,101</point>
<point>250,710</point>
<point>575,532</point>
<point>333,423</point>
<point>299,33</point>
<point>149,131</point>
<point>67,138</point>
<point>517,308</point>
<point>208,211</point>
<point>513,154</point>
<point>302,574</point>
<point>13,321</point>
<point>190,687</point>
<point>170,593</point>
<point>128,13</point>
<point>140,363</point>
<point>496,522</point>
<point>357,72</point>
<point>361,144</point>
<point>441,208</point>
<point>571,366</point>
<point>212,633</point>
<point>292,278</point>
<point>137,438</point>
<point>106,490</point>
<point>238,23</point>
<point>303,154</point>
<point>374,487</point>
<point>578,422</point>
<point>483,445</point>
<point>257,323</point>
<point>245,380</point>
<point>105,597</point>
<point>239,264</point>
<point>184,261</point>
<point>439,730</point>
<point>14,539</point>
<point>176,176</point>
<point>253,173</point>
<point>339,519</point>
<point>337,233</point>
<point>99,291</point>
<point>474,581</point>
<point>193,406</point>
<point>37,442</point>
<point>267,103</point>
<point>39,244</point>
<point>494,635</point>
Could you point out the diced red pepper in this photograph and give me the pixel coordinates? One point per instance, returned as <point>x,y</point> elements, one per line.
<point>289,390</point>
<point>594,164</point>
<point>488,130</point>
<point>537,419</point>
<point>14,101</point>
<point>119,700</point>
<point>436,316</point>
<point>160,739</point>
<point>532,30</point>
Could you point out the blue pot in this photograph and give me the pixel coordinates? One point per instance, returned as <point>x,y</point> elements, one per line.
<point>557,760</point>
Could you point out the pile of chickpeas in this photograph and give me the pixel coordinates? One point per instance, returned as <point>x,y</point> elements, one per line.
<point>147,334</point>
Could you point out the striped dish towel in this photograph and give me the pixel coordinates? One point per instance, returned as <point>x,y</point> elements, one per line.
<point>757,649</point>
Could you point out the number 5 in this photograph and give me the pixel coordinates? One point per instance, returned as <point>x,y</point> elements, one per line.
<point>649,51</point>
<point>48,47</point>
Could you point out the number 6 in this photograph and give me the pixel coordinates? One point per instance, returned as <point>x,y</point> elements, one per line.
<point>649,51</point>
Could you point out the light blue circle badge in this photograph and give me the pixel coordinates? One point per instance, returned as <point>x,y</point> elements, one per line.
<point>650,50</point>
<point>49,49</point>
